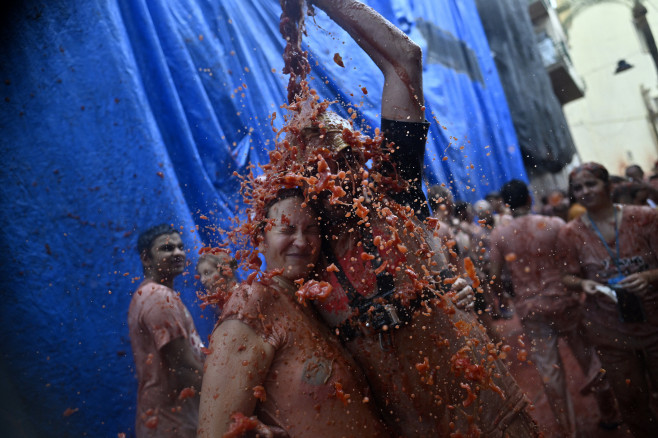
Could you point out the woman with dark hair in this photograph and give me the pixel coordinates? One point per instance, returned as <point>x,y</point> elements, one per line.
<point>615,248</point>
<point>270,357</point>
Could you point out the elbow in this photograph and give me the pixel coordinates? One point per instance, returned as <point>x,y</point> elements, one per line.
<point>409,66</point>
<point>413,58</point>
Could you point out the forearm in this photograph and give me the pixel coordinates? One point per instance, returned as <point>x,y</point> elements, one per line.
<point>399,58</point>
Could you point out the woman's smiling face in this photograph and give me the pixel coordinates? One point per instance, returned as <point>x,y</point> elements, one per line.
<point>293,242</point>
<point>589,190</point>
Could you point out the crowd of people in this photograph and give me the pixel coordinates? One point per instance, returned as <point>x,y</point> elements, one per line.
<point>374,313</point>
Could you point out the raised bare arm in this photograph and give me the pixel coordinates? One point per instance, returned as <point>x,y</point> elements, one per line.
<point>399,58</point>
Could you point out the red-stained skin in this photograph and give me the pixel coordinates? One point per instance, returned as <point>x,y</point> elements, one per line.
<point>303,160</point>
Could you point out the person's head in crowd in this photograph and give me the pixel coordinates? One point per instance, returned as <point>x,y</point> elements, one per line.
<point>631,193</point>
<point>635,173</point>
<point>589,184</point>
<point>556,203</point>
<point>496,201</point>
<point>653,181</point>
<point>516,195</point>
<point>484,212</point>
<point>464,211</point>
<point>441,201</point>
<point>616,180</point>
<point>161,253</point>
<point>290,236</point>
<point>216,270</point>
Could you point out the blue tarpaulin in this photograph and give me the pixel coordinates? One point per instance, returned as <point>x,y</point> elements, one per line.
<point>118,115</point>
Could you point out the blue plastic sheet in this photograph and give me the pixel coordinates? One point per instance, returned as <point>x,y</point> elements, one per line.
<point>118,115</point>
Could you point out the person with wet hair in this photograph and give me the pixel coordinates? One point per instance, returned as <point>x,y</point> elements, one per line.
<point>216,271</point>
<point>611,253</point>
<point>431,367</point>
<point>273,368</point>
<point>527,246</point>
<point>165,343</point>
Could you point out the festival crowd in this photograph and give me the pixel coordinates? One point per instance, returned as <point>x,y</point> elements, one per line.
<point>374,313</point>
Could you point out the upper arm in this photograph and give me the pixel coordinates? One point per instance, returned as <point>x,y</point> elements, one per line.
<point>239,360</point>
<point>402,96</point>
<point>165,319</point>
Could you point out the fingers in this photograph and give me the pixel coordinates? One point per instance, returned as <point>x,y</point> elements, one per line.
<point>635,283</point>
<point>466,304</point>
<point>459,284</point>
<point>465,298</point>
<point>589,286</point>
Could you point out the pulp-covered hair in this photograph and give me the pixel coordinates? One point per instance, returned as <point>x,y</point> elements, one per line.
<point>515,193</point>
<point>292,192</point>
<point>596,169</point>
<point>146,238</point>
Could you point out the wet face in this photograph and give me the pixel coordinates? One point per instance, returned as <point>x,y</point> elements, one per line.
<point>293,242</point>
<point>213,275</point>
<point>589,191</point>
<point>166,257</point>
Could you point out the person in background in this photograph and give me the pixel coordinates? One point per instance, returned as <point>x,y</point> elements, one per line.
<point>490,301</point>
<point>556,203</point>
<point>465,228</point>
<point>165,343</point>
<point>611,253</point>
<point>216,271</point>
<point>634,173</point>
<point>441,203</point>
<point>527,246</point>
<point>500,210</point>
<point>631,193</point>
